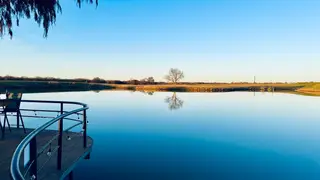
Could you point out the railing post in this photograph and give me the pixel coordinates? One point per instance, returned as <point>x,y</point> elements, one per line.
<point>60,129</point>
<point>33,158</point>
<point>84,128</point>
<point>71,175</point>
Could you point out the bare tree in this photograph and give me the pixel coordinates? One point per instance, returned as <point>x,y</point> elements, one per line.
<point>174,102</point>
<point>174,75</point>
<point>42,11</point>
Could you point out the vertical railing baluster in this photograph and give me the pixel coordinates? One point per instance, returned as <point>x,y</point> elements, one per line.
<point>60,129</point>
<point>33,158</point>
<point>71,175</point>
<point>84,128</point>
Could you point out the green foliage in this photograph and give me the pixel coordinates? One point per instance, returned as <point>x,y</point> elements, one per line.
<point>98,80</point>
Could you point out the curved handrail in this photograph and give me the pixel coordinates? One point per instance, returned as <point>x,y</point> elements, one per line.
<point>58,102</point>
<point>15,167</point>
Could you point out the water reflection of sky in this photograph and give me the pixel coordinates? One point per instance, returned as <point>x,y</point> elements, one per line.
<point>136,135</point>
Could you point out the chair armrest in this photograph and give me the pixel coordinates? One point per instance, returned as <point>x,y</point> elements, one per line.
<point>4,102</point>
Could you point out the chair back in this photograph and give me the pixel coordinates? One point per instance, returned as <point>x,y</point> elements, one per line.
<point>14,105</point>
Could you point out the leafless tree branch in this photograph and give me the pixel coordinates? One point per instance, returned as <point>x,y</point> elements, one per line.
<point>174,75</point>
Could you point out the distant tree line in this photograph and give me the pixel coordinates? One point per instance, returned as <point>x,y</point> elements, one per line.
<point>174,76</point>
<point>145,81</point>
<point>23,78</point>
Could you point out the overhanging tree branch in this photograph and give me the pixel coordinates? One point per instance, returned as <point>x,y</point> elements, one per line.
<point>44,12</point>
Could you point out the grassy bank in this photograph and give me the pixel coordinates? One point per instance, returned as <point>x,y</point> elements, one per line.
<point>313,88</point>
<point>302,88</point>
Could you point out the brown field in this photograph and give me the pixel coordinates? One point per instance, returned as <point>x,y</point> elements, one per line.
<point>310,91</point>
<point>298,88</point>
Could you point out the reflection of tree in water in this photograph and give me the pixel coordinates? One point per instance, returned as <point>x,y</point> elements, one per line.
<point>174,102</point>
<point>148,92</point>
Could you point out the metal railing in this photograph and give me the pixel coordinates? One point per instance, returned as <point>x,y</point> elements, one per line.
<point>31,139</point>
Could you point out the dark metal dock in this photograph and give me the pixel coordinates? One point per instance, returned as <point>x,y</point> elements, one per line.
<point>73,151</point>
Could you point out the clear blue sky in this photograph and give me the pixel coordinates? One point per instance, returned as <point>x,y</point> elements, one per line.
<point>210,40</point>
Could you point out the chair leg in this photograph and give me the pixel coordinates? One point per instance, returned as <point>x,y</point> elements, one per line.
<point>4,126</point>
<point>8,122</point>
<point>1,128</point>
<point>22,123</point>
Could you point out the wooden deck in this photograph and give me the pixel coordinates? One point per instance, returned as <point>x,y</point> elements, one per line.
<point>72,152</point>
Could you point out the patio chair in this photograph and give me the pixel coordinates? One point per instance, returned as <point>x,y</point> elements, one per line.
<point>12,105</point>
<point>2,104</point>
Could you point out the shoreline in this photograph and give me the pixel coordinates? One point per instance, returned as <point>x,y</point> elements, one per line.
<point>47,86</point>
<point>211,88</point>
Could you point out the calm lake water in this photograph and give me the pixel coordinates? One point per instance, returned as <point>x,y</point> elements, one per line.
<point>198,136</point>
